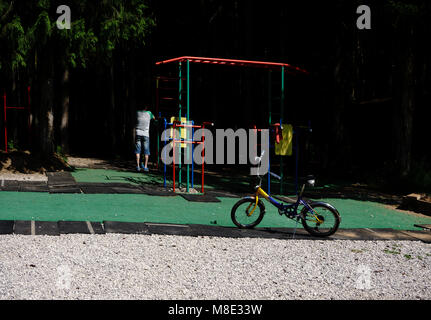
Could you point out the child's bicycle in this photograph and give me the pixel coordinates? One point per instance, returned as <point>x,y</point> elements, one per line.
<point>318,218</point>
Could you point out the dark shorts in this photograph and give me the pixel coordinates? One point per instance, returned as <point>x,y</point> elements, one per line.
<point>142,142</point>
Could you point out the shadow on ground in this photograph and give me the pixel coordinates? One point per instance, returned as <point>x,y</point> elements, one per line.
<point>237,180</point>
<point>26,162</point>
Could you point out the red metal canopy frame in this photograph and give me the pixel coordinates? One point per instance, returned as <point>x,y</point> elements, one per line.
<point>234,62</point>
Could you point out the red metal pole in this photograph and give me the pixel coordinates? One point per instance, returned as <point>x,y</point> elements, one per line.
<point>203,151</point>
<point>5,121</point>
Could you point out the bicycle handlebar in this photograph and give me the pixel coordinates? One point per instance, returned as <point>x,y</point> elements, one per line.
<point>274,175</point>
<point>259,159</point>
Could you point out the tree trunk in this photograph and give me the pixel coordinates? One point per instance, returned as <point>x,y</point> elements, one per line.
<point>46,113</point>
<point>407,106</point>
<point>339,153</point>
<point>131,118</point>
<point>112,132</point>
<point>65,98</point>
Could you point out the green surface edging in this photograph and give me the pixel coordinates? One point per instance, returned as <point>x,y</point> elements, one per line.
<point>143,208</point>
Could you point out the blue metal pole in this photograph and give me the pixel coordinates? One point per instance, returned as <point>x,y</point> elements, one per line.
<point>179,107</point>
<point>281,123</point>
<point>188,119</point>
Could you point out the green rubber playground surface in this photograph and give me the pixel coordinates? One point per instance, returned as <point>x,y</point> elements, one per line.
<point>143,208</point>
<point>155,178</point>
<point>114,176</point>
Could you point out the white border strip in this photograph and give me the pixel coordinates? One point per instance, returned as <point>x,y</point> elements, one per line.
<point>90,227</point>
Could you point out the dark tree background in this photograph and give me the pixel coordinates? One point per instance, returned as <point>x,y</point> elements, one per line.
<point>366,95</point>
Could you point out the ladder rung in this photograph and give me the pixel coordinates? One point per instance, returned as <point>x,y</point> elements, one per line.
<point>20,108</point>
<point>161,88</point>
<point>167,79</point>
<point>173,107</point>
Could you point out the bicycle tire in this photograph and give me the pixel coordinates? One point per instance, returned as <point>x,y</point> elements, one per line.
<point>250,200</point>
<point>318,208</point>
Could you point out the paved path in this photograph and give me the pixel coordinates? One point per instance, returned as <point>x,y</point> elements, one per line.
<point>55,228</point>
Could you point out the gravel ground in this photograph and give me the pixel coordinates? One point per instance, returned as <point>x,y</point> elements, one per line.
<point>153,267</point>
<point>6,175</point>
<point>85,162</point>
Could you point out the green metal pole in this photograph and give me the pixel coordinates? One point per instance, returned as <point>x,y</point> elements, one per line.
<point>270,121</point>
<point>158,128</point>
<point>281,122</point>
<point>179,109</point>
<point>158,145</point>
<point>188,145</point>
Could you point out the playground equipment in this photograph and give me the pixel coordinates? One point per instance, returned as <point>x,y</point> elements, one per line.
<point>283,68</point>
<point>6,107</point>
<point>184,140</point>
<point>278,137</point>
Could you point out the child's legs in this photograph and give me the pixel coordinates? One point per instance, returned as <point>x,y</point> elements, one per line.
<point>146,144</point>
<point>138,144</point>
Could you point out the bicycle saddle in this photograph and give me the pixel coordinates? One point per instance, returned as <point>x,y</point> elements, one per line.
<point>310,180</point>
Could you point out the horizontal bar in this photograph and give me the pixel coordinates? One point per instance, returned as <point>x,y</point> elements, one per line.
<point>233,62</point>
<point>168,89</point>
<point>169,78</point>
<point>170,139</point>
<point>186,141</point>
<point>186,126</point>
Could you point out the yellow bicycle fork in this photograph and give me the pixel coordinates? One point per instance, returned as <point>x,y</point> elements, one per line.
<point>259,191</point>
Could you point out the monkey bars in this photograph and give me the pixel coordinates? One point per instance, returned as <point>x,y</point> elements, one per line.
<point>271,66</point>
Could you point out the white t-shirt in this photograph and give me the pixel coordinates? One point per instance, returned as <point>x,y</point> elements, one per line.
<point>143,125</point>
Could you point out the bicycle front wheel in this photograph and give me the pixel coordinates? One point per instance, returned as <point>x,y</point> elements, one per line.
<point>321,219</point>
<point>246,214</point>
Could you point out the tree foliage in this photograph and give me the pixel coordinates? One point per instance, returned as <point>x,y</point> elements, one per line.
<point>365,86</point>
<point>96,27</point>
<point>31,43</point>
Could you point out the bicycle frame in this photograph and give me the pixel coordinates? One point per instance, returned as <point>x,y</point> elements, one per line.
<point>281,207</point>
<point>287,209</point>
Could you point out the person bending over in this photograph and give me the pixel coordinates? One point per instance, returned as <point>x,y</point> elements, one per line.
<point>142,139</point>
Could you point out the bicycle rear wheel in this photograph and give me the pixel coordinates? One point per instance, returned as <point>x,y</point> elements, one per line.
<point>322,220</point>
<point>245,213</point>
